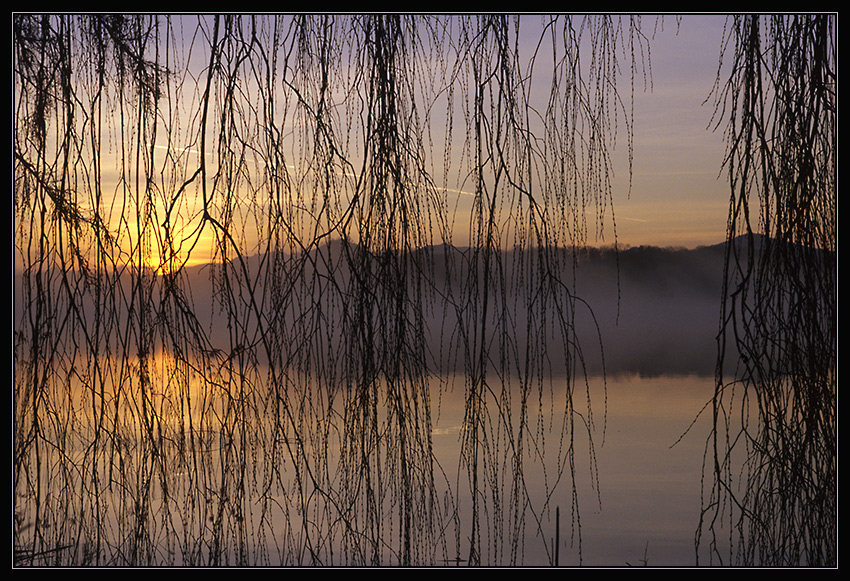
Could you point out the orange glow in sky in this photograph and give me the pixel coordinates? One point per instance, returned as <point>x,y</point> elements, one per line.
<point>679,194</point>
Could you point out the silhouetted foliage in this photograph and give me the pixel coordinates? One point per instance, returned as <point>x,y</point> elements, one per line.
<point>318,164</point>
<point>773,453</point>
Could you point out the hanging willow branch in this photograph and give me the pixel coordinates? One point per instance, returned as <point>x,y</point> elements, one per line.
<point>772,454</point>
<point>255,253</point>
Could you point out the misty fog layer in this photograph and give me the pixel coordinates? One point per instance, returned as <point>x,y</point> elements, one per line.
<point>656,308</point>
<point>644,310</point>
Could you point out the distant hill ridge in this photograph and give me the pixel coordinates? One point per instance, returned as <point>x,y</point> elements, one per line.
<point>657,308</point>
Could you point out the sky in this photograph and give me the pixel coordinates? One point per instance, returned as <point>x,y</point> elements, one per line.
<point>679,196</point>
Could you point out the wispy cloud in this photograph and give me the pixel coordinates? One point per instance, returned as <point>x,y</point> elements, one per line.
<point>176,149</point>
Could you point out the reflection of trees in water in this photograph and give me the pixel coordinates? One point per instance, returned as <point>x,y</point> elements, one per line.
<point>773,451</point>
<point>142,141</point>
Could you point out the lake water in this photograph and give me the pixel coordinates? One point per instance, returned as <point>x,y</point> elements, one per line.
<point>188,471</point>
<point>649,468</point>
<point>649,477</point>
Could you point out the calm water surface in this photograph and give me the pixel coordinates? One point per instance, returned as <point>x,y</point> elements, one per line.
<point>649,458</point>
<point>644,505</point>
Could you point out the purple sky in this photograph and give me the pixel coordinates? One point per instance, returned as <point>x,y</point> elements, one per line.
<point>679,195</point>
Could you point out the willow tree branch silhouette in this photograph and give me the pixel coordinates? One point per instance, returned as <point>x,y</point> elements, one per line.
<point>773,452</point>
<point>274,406</point>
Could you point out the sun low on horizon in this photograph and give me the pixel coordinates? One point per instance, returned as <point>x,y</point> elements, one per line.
<point>422,290</point>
